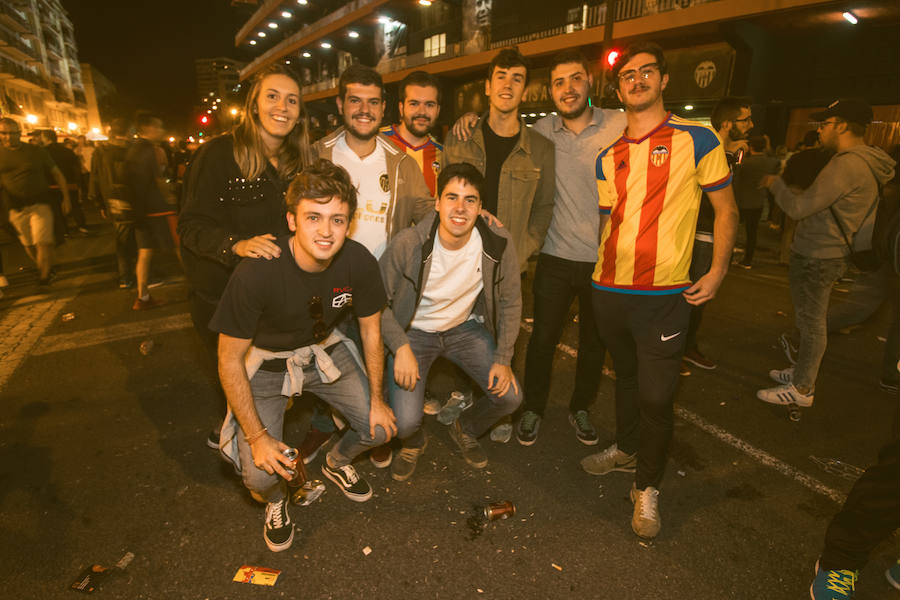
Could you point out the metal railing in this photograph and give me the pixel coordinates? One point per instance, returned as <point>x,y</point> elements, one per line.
<point>595,16</point>
<point>8,39</point>
<point>15,16</point>
<point>19,72</point>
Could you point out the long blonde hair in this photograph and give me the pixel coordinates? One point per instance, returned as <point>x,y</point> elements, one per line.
<point>250,150</point>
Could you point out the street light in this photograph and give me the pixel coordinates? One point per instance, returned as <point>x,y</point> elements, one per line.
<point>233,112</point>
<point>72,126</point>
<point>307,55</point>
<point>353,34</point>
<point>286,14</point>
<point>850,17</point>
<point>325,45</point>
<point>32,119</point>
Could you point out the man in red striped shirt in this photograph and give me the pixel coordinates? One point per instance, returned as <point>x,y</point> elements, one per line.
<point>420,105</point>
<point>650,182</point>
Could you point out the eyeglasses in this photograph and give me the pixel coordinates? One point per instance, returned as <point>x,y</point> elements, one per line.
<point>824,124</point>
<point>644,72</point>
<point>320,329</point>
<point>744,120</point>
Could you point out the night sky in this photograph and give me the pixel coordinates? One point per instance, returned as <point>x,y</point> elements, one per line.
<point>147,49</point>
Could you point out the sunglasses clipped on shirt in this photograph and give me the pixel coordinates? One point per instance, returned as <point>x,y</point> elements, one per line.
<point>320,329</point>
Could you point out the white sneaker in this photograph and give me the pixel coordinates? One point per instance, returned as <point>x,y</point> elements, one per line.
<point>782,376</point>
<point>502,432</point>
<point>785,395</point>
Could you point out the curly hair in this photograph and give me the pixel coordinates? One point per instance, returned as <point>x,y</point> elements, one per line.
<point>321,181</point>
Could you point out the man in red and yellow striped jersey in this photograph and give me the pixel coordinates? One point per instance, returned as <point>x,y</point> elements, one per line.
<point>649,182</point>
<point>420,105</point>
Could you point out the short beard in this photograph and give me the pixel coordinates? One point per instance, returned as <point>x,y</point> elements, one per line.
<point>734,134</point>
<point>411,127</point>
<point>365,137</point>
<point>575,113</point>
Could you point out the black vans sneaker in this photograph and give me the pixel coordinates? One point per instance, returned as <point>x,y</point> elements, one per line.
<point>278,530</point>
<point>354,487</point>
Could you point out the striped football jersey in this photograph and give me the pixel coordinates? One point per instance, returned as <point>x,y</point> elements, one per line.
<point>651,189</point>
<point>428,155</point>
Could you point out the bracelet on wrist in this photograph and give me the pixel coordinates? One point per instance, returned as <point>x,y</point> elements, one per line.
<point>252,438</point>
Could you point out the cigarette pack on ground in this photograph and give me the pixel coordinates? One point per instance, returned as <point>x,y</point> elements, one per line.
<point>257,575</point>
<point>89,580</point>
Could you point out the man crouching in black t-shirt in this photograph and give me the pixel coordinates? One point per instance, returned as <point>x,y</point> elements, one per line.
<point>277,321</point>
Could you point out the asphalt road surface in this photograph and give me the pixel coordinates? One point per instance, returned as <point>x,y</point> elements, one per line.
<point>102,453</point>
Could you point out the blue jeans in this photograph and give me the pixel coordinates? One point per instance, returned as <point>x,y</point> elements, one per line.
<point>349,395</point>
<point>471,347</point>
<point>811,280</point>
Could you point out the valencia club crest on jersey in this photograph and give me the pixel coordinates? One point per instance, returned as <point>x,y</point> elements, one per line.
<point>659,155</point>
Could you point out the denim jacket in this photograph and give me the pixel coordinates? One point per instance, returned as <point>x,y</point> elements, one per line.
<point>527,184</point>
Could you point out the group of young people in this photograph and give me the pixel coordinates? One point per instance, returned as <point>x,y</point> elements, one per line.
<point>346,268</point>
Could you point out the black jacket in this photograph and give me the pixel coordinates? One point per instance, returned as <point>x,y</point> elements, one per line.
<point>220,208</point>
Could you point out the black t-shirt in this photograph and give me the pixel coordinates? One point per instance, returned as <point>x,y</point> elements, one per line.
<point>269,300</point>
<point>707,215</point>
<point>496,149</point>
<point>25,175</point>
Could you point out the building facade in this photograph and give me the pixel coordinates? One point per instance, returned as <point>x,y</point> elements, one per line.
<point>714,47</point>
<point>41,82</point>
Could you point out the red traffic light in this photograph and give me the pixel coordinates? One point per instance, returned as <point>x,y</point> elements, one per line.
<point>611,57</point>
<point>204,120</point>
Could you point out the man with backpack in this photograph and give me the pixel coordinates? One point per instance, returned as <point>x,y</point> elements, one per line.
<point>835,219</point>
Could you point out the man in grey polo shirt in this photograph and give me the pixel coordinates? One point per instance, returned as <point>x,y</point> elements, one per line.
<point>569,253</point>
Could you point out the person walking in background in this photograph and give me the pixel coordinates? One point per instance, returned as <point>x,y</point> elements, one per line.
<point>26,171</point>
<point>835,215</point>
<point>750,194</point>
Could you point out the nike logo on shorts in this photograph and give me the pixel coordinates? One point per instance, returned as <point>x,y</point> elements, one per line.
<point>666,338</point>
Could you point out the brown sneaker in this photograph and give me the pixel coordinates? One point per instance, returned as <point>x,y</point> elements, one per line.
<point>147,304</point>
<point>696,358</point>
<point>312,443</point>
<point>645,521</point>
<point>381,456</point>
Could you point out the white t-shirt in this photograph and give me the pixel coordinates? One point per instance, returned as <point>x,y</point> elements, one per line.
<point>453,285</point>
<point>370,176</point>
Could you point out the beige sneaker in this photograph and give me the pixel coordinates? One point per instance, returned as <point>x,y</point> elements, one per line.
<point>611,459</point>
<point>645,521</point>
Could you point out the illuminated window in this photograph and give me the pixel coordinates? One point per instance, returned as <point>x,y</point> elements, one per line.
<point>435,45</point>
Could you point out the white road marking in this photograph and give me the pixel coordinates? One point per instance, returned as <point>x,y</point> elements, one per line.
<point>20,329</point>
<point>113,333</point>
<point>757,454</point>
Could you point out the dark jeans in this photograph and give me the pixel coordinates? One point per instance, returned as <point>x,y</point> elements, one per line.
<point>701,261</point>
<point>201,314</point>
<point>126,251</point>
<point>871,512</point>
<point>750,217</point>
<point>557,282</point>
<point>645,335</point>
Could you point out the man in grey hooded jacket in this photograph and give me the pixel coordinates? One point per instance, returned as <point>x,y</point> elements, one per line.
<point>453,290</point>
<point>840,202</point>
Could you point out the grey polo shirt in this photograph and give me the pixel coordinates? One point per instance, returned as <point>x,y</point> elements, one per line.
<point>574,231</point>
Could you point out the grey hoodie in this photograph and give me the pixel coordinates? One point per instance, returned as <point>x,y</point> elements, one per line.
<point>405,267</point>
<point>849,184</point>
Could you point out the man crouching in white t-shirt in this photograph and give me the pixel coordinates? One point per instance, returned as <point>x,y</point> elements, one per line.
<point>452,283</point>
